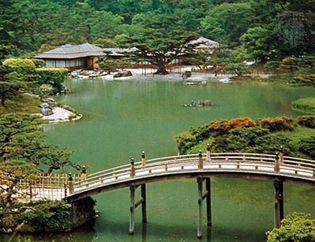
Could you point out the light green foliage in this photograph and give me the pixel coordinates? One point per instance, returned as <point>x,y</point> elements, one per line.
<point>20,65</point>
<point>185,141</point>
<point>105,43</point>
<point>52,76</point>
<point>49,216</point>
<point>226,22</point>
<point>296,227</point>
<point>258,43</point>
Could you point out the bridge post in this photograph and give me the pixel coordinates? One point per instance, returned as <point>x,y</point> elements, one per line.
<point>277,162</point>
<point>199,222</point>
<point>132,210</point>
<point>281,154</point>
<point>132,168</point>
<point>279,211</point>
<point>200,162</point>
<point>144,203</point>
<point>208,196</point>
<point>143,160</point>
<point>70,183</point>
<point>208,154</point>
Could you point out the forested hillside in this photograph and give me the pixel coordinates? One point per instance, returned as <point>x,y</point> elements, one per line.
<point>261,28</point>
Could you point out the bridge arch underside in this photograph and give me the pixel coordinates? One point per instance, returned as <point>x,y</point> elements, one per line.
<point>186,175</point>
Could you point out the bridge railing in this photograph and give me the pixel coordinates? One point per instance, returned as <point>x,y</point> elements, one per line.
<point>163,164</point>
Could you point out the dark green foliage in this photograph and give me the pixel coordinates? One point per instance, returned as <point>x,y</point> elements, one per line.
<point>297,227</point>
<point>200,132</point>
<point>307,146</point>
<point>49,216</point>
<point>271,143</point>
<point>52,76</point>
<point>306,121</point>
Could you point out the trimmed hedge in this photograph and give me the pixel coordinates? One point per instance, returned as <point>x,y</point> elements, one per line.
<point>219,127</point>
<point>306,121</point>
<point>277,124</point>
<point>53,76</point>
<point>20,65</point>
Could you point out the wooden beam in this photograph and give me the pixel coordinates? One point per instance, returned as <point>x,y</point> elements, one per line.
<point>208,202</point>
<point>199,221</point>
<point>279,208</point>
<point>144,203</point>
<point>132,210</point>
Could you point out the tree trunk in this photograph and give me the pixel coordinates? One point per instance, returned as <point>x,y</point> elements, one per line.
<point>161,69</point>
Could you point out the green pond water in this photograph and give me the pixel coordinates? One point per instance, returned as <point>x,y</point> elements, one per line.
<point>122,118</point>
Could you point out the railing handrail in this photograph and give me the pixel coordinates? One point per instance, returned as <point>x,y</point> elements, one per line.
<point>170,160</point>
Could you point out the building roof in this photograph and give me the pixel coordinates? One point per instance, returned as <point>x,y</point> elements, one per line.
<point>119,51</point>
<point>204,43</point>
<point>72,52</point>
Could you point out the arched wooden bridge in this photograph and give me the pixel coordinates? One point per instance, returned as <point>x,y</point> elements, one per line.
<point>200,166</point>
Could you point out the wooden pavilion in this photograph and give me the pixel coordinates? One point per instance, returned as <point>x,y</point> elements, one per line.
<point>69,56</point>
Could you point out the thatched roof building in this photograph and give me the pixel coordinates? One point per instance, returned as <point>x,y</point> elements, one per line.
<point>205,44</point>
<point>72,56</point>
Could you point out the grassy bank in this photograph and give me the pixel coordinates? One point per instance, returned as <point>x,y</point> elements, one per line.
<point>304,104</point>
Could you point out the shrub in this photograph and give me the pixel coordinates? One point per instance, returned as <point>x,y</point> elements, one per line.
<point>185,141</point>
<point>277,124</point>
<point>271,144</point>
<point>273,66</point>
<point>241,123</point>
<point>200,132</point>
<point>238,68</point>
<point>306,121</point>
<point>52,76</point>
<point>297,227</point>
<point>49,216</point>
<point>304,80</point>
<point>20,65</point>
<point>38,63</point>
<point>221,127</point>
<point>307,146</point>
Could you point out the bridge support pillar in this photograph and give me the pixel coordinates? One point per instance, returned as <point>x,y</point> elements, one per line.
<point>199,222</point>
<point>201,197</point>
<point>134,205</point>
<point>132,209</point>
<point>144,203</point>
<point>208,192</point>
<point>279,211</point>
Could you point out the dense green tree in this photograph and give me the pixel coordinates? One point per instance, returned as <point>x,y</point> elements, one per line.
<point>225,23</point>
<point>160,39</point>
<point>259,43</point>
<point>22,139</point>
